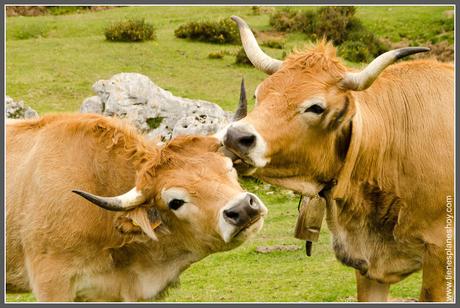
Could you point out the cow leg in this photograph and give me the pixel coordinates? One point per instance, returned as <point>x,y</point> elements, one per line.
<point>434,275</point>
<point>371,290</point>
<point>50,278</point>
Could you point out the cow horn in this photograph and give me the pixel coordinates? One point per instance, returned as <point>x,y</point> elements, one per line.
<point>124,202</point>
<point>257,57</point>
<point>363,80</point>
<point>242,110</point>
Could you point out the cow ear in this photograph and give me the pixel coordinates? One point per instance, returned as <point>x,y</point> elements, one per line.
<point>336,117</point>
<point>147,219</point>
<point>356,132</point>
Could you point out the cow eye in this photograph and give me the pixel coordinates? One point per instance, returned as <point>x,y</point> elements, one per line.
<point>174,204</point>
<point>315,109</point>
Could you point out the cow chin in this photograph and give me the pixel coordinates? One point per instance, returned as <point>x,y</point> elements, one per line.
<point>298,184</point>
<point>239,236</point>
<point>247,232</point>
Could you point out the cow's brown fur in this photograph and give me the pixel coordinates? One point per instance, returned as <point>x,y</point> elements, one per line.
<point>64,248</point>
<point>390,148</point>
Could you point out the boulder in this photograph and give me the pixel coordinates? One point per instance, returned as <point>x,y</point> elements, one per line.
<point>18,110</point>
<point>153,110</point>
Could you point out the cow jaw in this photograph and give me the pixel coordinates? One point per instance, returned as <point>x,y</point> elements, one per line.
<point>298,184</point>
<point>237,232</point>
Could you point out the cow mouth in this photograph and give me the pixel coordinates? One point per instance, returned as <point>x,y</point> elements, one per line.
<point>247,226</point>
<point>243,165</point>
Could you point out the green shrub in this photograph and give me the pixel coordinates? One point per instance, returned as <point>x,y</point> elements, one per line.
<point>332,22</point>
<point>286,20</point>
<point>255,10</point>
<point>274,43</point>
<point>131,30</point>
<point>335,23</point>
<point>216,54</point>
<point>220,32</point>
<point>355,51</point>
<point>63,10</point>
<point>307,22</point>
<point>29,31</point>
<point>241,58</point>
<point>328,21</point>
<point>359,34</point>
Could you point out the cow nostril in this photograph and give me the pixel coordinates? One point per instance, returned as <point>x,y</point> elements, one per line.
<point>232,216</point>
<point>253,202</point>
<point>239,140</point>
<point>247,141</point>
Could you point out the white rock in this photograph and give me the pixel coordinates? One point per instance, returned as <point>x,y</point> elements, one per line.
<point>18,110</point>
<point>153,110</point>
<point>92,104</point>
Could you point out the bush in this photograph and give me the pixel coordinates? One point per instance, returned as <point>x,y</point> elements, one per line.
<point>29,31</point>
<point>337,24</point>
<point>131,30</point>
<point>274,43</point>
<point>216,55</point>
<point>63,10</point>
<point>332,22</point>
<point>355,51</point>
<point>220,32</point>
<point>241,58</point>
<point>359,34</point>
<point>286,20</point>
<point>255,10</point>
<point>308,21</point>
<point>328,21</point>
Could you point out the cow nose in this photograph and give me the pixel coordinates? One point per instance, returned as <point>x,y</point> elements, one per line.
<point>244,211</point>
<point>239,140</point>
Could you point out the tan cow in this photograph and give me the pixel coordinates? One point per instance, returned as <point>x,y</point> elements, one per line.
<point>186,204</point>
<point>377,144</point>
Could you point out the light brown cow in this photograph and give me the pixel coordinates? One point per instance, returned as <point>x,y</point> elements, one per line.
<point>186,204</point>
<point>377,144</point>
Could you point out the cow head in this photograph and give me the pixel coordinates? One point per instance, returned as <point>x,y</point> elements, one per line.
<point>299,130</point>
<point>191,191</point>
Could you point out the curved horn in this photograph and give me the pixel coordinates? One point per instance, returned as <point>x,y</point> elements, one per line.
<point>257,57</point>
<point>124,202</point>
<point>363,80</point>
<point>242,110</point>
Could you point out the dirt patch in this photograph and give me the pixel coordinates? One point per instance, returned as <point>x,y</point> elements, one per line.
<point>269,249</point>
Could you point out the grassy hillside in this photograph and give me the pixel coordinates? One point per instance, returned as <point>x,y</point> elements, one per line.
<point>52,62</point>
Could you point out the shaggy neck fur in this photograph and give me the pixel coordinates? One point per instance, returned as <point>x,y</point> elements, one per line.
<point>392,120</point>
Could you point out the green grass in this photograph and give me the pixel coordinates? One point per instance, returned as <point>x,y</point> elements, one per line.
<point>52,62</point>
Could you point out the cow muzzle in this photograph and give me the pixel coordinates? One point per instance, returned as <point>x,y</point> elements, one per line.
<point>239,141</point>
<point>244,214</point>
<point>242,140</point>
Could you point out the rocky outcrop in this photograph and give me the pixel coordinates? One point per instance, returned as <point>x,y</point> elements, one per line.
<point>18,110</point>
<point>153,110</point>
